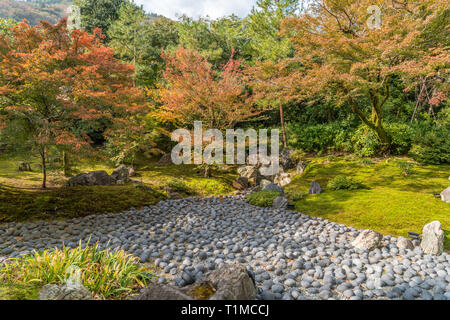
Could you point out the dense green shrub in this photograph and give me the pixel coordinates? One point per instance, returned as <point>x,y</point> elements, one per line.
<point>176,184</point>
<point>296,194</point>
<point>344,183</point>
<point>432,146</point>
<point>262,198</point>
<point>365,142</point>
<point>319,138</point>
<point>401,137</point>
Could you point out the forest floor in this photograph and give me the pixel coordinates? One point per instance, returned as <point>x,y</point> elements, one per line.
<point>392,203</point>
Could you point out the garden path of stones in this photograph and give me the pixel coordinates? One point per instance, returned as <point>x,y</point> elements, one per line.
<point>289,254</point>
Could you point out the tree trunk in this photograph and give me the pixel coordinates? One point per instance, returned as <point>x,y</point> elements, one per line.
<point>283,129</point>
<point>376,122</point>
<point>44,169</point>
<point>66,164</point>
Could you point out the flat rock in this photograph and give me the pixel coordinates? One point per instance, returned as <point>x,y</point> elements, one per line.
<point>67,291</point>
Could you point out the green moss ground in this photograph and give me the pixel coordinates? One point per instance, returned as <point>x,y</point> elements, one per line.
<point>394,203</point>
<point>22,199</point>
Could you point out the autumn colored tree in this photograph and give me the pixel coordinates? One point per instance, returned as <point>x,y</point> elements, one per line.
<point>349,52</point>
<point>194,91</point>
<point>56,85</point>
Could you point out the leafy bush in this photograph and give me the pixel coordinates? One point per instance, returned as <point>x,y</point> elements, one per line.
<point>297,155</point>
<point>107,274</point>
<point>432,146</point>
<point>344,183</point>
<point>296,194</point>
<point>177,184</point>
<point>406,167</point>
<point>319,138</point>
<point>262,198</point>
<point>401,135</point>
<point>365,142</point>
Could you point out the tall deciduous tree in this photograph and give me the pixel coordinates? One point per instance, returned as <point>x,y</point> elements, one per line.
<point>55,84</point>
<point>267,45</point>
<point>341,58</point>
<point>98,14</point>
<point>195,91</point>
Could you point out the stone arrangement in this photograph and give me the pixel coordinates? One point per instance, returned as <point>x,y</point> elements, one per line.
<point>290,255</point>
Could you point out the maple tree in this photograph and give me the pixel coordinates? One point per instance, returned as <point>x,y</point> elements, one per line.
<point>194,91</point>
<point>339,59</point>
<point>56,85</point>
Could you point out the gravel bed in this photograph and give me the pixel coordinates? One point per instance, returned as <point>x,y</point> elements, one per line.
<point>290,255</point>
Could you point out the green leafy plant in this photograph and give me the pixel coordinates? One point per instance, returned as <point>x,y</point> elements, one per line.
<point>107,274</point>
<point>406,167</point>
<point>344,183</point>
<point>296,195</point>
<point>177,184</point>
<point>262,198</point>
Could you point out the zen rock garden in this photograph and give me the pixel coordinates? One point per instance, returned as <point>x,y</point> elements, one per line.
<point>248,252</point>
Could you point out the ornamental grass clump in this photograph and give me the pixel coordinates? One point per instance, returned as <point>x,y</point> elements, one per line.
<point>108,274</point>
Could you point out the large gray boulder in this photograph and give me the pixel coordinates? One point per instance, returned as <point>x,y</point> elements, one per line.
<point>432,238</point>
<point>315,188</point>
<point>66,291</point>
<point>445,195</point>
<point>122,174</point>
<point>280,203</point>
<point>165,160</point>
<point>367,239</point>
<point>229,282</point>
<point>274,187</point>
<point>264,183</point>
<point>94,178</point>
<point>251,173</point>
